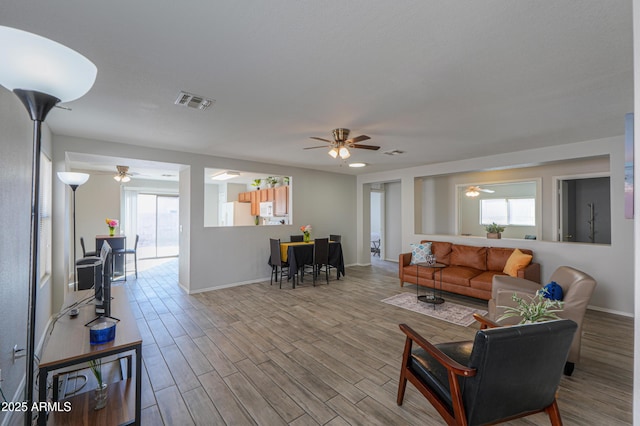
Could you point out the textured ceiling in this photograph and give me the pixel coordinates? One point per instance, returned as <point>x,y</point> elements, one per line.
<point>441,80</point>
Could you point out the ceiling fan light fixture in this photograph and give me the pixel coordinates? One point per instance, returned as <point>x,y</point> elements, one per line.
<point>122,175</point>
<point>472,193</point>
<point>333,153</point>
<point>344,153</point>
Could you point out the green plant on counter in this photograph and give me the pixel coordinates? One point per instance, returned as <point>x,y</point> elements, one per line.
<point>272,180</point>
<point>494,228</point>
<point>256,183</point>
<point>96,369</point>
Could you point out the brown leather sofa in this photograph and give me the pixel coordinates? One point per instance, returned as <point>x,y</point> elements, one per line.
<point>469,270</point>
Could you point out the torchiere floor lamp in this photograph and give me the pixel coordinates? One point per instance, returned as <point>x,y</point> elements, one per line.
<point>41,72</point>
<point>74,180</point>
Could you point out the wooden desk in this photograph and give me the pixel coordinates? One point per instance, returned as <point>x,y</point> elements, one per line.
<point>69,345</point>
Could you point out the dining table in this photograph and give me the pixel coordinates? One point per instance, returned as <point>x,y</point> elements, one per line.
<point>299,254</point>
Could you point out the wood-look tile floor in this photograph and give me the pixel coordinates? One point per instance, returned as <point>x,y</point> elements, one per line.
<point>329,355</point>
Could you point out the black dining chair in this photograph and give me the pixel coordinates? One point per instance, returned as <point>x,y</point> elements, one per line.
<point>297,238</point>
<point>335,238</point>
<point>320,258</point>
<point>277,263</point>
<point>84,252</point>
<point>134,251</point>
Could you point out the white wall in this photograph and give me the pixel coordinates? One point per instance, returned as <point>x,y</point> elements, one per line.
<point>219,257</point>
<point>211,191</point>
<point>636,198</point>
<point>392,225</point>
<point>614,291</point>
<point>16,148</point>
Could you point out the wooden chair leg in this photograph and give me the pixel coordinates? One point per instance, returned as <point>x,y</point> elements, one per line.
<point>402,386</point>
<point>554,413</point>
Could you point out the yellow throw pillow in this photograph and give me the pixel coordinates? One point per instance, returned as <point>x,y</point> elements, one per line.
<point>517,260</point>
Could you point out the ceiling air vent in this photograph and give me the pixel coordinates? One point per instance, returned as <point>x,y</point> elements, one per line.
<point>394,152</point>
<point>190,100</point>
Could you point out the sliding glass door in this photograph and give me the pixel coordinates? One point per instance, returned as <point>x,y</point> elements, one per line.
<point>157,225</point>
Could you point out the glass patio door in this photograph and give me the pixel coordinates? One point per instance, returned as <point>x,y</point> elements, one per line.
<point>157,225</point>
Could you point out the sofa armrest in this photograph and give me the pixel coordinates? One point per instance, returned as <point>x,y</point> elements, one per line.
<point>403,260</point>
<point>530,272</point>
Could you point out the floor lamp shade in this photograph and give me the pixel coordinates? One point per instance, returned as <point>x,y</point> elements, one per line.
<point>72,178</point>
<point>34,63</point>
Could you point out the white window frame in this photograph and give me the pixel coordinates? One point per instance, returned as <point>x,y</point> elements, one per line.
<point>507,212</point>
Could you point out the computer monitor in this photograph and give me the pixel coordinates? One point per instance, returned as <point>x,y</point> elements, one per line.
<point>103,288</point>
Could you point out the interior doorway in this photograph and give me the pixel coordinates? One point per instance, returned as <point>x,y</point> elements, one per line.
<point>584,214</point>
<point>377,220</point>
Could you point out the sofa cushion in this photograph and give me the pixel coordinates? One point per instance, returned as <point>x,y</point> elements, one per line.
<point>517,260</point>
<point>459,275</point>
<point>484,281</point>
<point>497,257</point>
<point>469,256</point>
<point>419,252</point>
<point>442,251</point>
<point>410,272</point>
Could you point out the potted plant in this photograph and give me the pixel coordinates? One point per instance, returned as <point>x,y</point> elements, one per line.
<point>494,231</point>
<point>271,181</point>
<point>285,180</point>
<point>537,309</point>
<point>101,390</point>
<point>256,183</point>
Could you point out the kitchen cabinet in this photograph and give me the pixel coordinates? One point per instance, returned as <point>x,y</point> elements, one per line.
<point>281,200</point>
<point>254,198</point>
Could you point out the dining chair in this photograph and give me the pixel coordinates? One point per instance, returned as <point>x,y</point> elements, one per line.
<point>297,238</point>
<point>277,263</point>
<point>84,252</point>
<point>320,258</point>
<point>335,238</point>
<point>134,251</point>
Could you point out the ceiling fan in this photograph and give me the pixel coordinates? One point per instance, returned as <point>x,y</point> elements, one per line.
<point>474,191</point>
<point>341,143</point>
<point>123,174</point>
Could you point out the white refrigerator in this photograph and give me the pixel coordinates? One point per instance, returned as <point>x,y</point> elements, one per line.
<point>235,213</point>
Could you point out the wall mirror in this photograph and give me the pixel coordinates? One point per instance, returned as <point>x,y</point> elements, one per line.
<point>238,198</point>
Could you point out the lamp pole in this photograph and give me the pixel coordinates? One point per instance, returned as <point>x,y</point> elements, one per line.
<point>38,105</point>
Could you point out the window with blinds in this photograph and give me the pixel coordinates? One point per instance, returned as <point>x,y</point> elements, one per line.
<point>44,248</point>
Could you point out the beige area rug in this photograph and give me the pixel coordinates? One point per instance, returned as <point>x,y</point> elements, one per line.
<point>448,311</point>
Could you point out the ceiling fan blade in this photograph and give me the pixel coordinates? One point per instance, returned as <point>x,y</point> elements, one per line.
<point>320,139</point>
<point>488,191</point>
<point>357,139</point>
<point>320,146</point>
<point>371,147</point>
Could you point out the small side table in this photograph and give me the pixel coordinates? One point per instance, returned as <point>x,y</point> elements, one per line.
<point>434,298</point>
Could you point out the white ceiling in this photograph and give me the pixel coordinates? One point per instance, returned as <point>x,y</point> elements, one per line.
<point>441,80</point>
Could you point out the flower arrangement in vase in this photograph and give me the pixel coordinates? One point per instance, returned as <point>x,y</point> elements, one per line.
<point>306,232</point>
<point>112,223</point>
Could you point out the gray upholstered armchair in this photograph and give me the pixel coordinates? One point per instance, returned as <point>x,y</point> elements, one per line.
<point>577,287</point>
